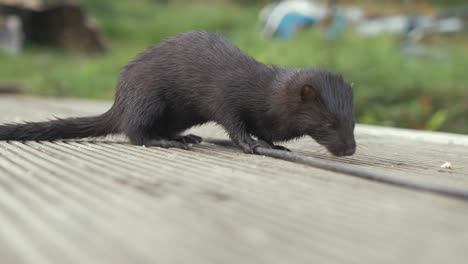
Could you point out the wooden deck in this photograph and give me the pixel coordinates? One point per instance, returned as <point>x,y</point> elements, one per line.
<point>105,201</point>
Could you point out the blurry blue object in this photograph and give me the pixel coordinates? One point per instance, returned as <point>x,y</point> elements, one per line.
<point>282,19</point>
<point>338,25</point>
<point>291,22</point>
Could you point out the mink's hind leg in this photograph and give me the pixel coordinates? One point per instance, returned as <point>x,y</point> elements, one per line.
<point>160,126</point>
<point>175,142</point>
<point>189,139</point>
<point>166,143</point>
<point>146,138</point>
<point>150,128</point>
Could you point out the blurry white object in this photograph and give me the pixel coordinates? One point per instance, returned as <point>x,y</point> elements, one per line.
<point>11,35</point>
<point>393,24</point>
<point>449,25</point>
<point>353,14</point>
<point>414,26</point>
<point>29,4</point>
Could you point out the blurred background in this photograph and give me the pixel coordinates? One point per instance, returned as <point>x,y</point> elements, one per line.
<point>408,60</point>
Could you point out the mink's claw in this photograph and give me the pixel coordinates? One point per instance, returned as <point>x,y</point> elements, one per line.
<point>278,147</point>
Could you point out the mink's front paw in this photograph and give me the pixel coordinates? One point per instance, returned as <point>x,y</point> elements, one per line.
<point>251,146</point>
<point>260,144</point>
<point>246,148</point>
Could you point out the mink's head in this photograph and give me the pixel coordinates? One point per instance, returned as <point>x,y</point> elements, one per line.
<point>324,109</point>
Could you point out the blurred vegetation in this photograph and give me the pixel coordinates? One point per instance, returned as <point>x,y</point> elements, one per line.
<point>390,88</point>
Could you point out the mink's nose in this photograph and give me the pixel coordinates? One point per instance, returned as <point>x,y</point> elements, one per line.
<point>342,152</point>
<point>349,151</point>
<point>346,149</point>
<point>345,152</point>
<point>350,148</point>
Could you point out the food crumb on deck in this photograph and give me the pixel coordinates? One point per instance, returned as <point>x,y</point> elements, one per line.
<point>447,165</point>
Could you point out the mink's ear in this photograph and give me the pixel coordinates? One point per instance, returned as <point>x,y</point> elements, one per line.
<point>308,93</point>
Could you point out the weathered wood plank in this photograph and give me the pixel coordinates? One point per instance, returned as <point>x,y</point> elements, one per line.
<point>109,202</point>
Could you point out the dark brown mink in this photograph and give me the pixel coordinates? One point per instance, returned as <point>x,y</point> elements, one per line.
<point>196,77</point>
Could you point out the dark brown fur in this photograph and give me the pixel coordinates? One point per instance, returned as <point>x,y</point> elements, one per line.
<point>196,77</point>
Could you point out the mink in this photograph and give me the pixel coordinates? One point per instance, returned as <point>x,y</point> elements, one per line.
<point>196,77</point>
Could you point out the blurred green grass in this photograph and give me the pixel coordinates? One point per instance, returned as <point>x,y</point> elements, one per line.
<point>390,89</point>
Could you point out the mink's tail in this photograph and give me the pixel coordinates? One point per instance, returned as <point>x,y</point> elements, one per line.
<point>69,128</point>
